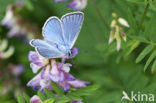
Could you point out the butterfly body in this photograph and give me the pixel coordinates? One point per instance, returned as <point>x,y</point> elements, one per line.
<point>59,35</point>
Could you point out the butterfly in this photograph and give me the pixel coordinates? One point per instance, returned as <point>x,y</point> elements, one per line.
<point>59,35</point>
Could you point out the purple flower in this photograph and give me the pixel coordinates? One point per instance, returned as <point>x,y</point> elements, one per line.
<point>16,29</point>
<point>61,0</point>
<point>74,52</point>
<point>77,4</point>
<point>61,76</point>
<point>36,61</point>
<point>56,75</point>
<point>64,78</point>
<point>41,80</point>
<point>9,19</point>
<point>76,102</point>
<point>16,24</point>
<point>35,99</point>
<point>12,21</point>
<point>78,83</point>
<point>17,69</point>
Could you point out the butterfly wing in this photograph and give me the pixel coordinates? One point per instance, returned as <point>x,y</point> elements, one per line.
<point>52,31</point>
<point>45,49</point>
<point>71,24</point>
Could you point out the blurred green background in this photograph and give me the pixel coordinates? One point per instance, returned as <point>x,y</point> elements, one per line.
<point>97,61</point>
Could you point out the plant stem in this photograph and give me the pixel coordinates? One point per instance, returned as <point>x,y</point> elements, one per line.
<point>99,13</point>
<point>144,14</point>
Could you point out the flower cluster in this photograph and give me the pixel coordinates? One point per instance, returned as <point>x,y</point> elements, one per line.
<point>9,74</point>
<point>10,79</point>
<point>75,4</point>
<point>53,71</point>
<point>15,22</point>
<point>4,54</point>
<point>117,31</point>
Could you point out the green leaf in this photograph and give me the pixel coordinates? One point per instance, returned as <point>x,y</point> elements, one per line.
<point>49,93</point>
<point>57,89</point>
<point>74,96</point>
<point>132,22</point>
<point>154,66</point>
<point>150,28</point>
<point>26,97</point>
<point>51,100</point>
<point>86,90</point>
<point>41,95</point>
<point>138,38</point>
<point>29,4</point>
<point>138,1</point>
<point>62,99</point>
<point>133,45</point>
<point>144,53</point>
<point>20,99</point>
<point>153,4</point>
<point>152,56</point>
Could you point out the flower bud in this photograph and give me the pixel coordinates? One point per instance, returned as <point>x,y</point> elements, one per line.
<point>8,53</point>
<point>123,22</point>
<point>3,45</point>
<point>111,37</point>
<point>35,99</point>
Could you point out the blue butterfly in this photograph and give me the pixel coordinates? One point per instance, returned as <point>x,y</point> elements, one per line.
<point>59,35</point>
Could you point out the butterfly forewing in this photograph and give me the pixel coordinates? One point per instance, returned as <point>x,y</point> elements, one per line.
<point>71,24</point>
<point>52,31</point>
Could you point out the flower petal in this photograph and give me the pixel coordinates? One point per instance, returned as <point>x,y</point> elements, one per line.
<point>56,75</point>
<point>78,83</point>
<point>76,102</point>
<point>35,99</point>
<point>77,4</point>
<point>34,67</point>
<point>66,67</point>
<point>64,85</point>
<point>123,22</point>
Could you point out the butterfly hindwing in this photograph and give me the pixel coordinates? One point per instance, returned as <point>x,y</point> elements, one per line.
<point>49,52</point>
<point>45,49</point>
<point>71,24</point>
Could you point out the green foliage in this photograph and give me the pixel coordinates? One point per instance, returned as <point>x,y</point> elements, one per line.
<point>48,95</point>
<point>40,94</point>
<point>153,4</point>
<point>84,91</point>
<point>138,1</point>
<point>49,101</point>
<point>144,53</point>
<point>154,66</point>
<point>57,89</point>
<point>29,5</point>
<point>26,97</point>
<point>62,99</point>
<point>20,99</point>
<point>152,56</point>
